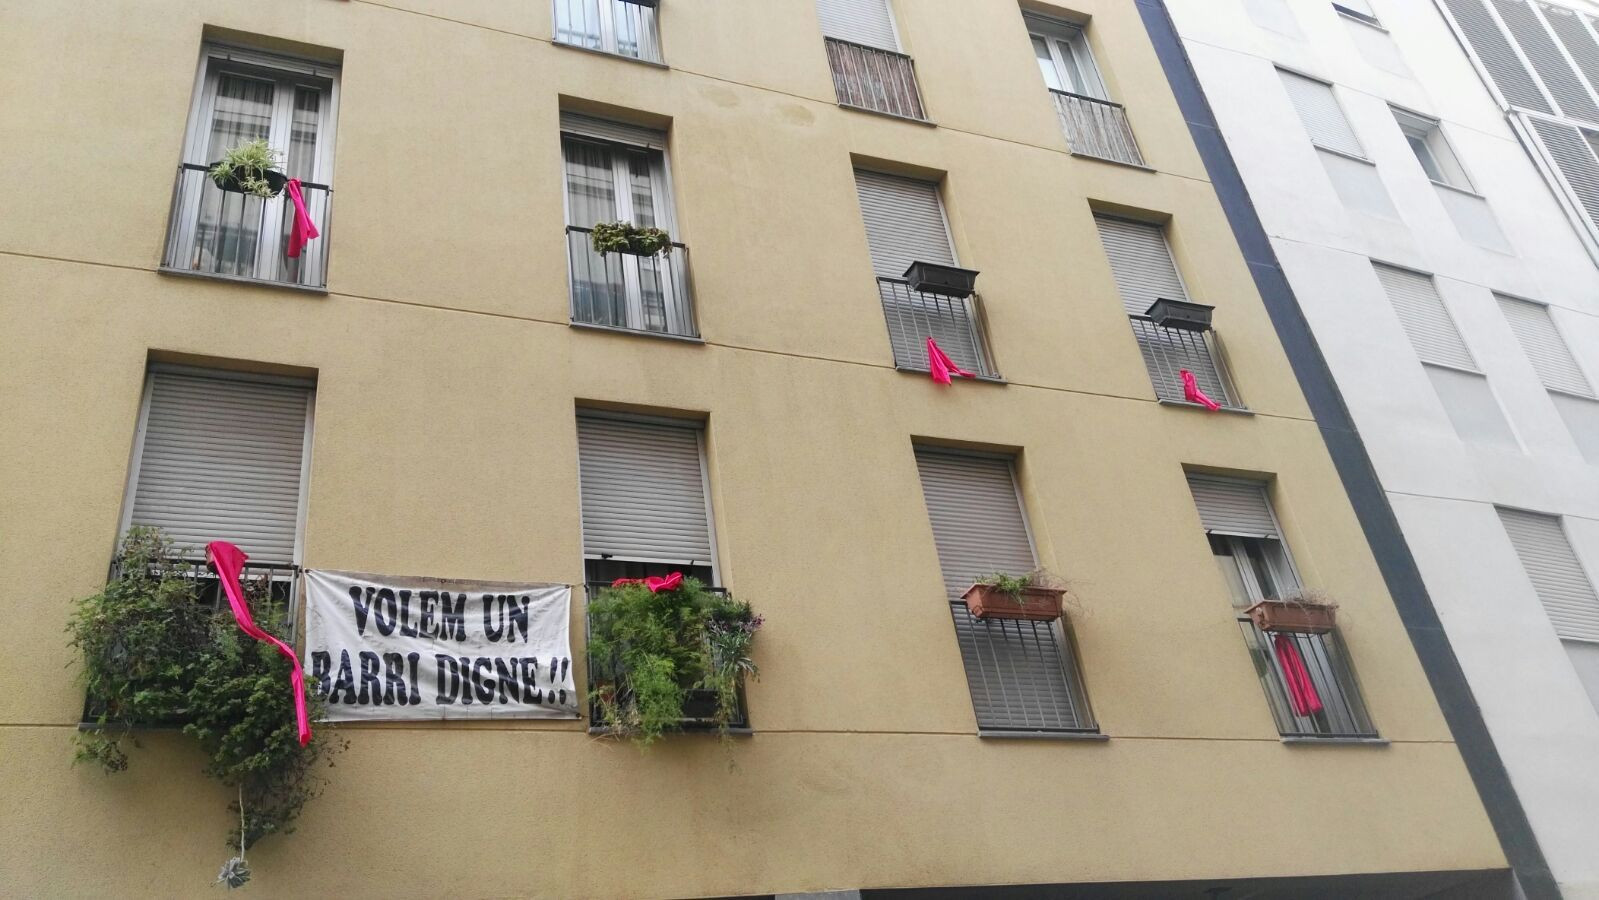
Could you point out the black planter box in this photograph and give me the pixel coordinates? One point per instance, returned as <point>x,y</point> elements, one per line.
<point>275,179</point>
<point>946,281</point>
<point>1180,314</point>
<point>649,3</point>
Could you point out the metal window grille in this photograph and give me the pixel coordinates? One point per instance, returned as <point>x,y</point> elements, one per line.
<point>954,322</point>
<point>1168,351</point>
<point>874,79</point>
<point>638,293</point>
<point>1023,675</point>
<point>1343,713</point>
<point>1097,128</point>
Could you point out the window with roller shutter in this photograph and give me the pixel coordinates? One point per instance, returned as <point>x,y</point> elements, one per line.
<point>1568,388</point>
<point>1320,113</point>
<point>868,70</point>
<point>1562,585</point>
<point>1023,675</point>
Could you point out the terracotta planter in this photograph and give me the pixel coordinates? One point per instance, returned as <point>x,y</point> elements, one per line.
<point>1035,603</point>
<point>1294,618</point>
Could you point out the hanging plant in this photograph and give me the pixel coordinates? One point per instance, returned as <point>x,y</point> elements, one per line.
<point>624,237</point>
<point>250,168</point>
<point>153,654</point>
<point>656,650</point>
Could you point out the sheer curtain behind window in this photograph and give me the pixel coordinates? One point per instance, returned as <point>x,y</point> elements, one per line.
<point>598,291</point>
<point>226,231</point>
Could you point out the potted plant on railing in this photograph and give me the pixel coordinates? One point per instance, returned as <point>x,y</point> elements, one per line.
<point>1299,612</point>
<point>250,168</point>
<point>937,278</point>
<point>665,653</point>
<point>154,656</point>
<point>625,237</point>
<point>1037,595</point>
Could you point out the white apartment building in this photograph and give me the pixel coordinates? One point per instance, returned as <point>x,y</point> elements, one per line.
<point>1438,236</point>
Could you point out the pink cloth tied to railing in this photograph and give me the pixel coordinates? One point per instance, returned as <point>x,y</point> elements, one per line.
<point>1193,394</point>
<point>655,583</point>
<point>228,561</point>
<point>940,366</point>
<point>1301,690</point>
<point>303,229</point>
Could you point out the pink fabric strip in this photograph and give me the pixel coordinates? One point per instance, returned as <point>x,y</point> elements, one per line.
<point>655,583</point>
<point>1301,689</point>
<point>303,229</point>
<point>1193,394</point>
<point>940,366</point>
<point>228,561</point>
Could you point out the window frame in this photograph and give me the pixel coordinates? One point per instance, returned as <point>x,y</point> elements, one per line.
<point>1069,51</point>
<point>1347,10</point>
<point>609,41</point>
<point>1429,132</point>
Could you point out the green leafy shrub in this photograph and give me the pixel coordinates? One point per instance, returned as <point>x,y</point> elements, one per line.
<point>624,237</point>
<point>648,651</point>
<point>247,165</point>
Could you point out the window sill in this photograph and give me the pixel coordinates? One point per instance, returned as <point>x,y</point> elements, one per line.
<point>239,279</point>
<point>638,332</point>
<point>1356,17</point>
<point>1459,190</point>
<point>1115,162</point>
<point>1093,736</point>
<point>1184,404</point>
<point>888,115</point>
<point>612,55</point>
<point>1346,741</point>
<point>603,731</point>
<point>1562,393</point>
<point>988,379</point>
<point>1349,156</point>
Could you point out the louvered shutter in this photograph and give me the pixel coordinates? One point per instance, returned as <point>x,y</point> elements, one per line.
<point>1550,356</point>
<point>1504,67</point>
<point>1575,37</point>
<point>1322,116</point>
<point>221,461</point>
<point>858,21</point>
<point>1535,42</point>
<point>1141,263</point>
<point>608,130</point>
<point>904,222</point>
<point>1233,506</point>
<point>977,520</point>
<point>1422,313</point>
<point>1562,585</point>
<point>643,491</point>
<point>1572,153</point>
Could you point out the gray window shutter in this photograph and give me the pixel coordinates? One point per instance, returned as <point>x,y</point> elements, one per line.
<point>1568,27</point>
<point>1322,116</point>
<point>1556,575</point>
<point>1141,263</point>
<point>1504,67</point>
<point>904,222</point>
<point>643,491</point>
<point>858,21</point>
<point>1540,50</point>
<point>1422,313</point>
<point>1572,153</point>
<point>977,520</point>
<point>1021,674</point>
<point>608,130</point>
<point>1233,506</point>
<point>221,461</point>
<point>1550,356</point>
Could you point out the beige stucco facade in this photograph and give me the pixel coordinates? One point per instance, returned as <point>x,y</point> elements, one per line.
<point>445,444</point>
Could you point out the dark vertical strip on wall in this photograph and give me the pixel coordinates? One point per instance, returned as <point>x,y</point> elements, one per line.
<point>1354,466</point>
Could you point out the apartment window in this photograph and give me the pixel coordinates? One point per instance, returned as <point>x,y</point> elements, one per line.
<point>905,223</point>
<point>1558,370</point>
<point>623,27</point>
<point>618,173</point>
<point>1094,125</point>
<point>1142,265</point>
<point>869,71</point>
<point>1255,564</point>
<point>1353,177</point>
<point>1023,675</point>
<point>241,96</point>
<point>1461,388</point>
<point>1427,141</point>
<point>1274,15</point>
<point>1557,576</point>
<point>1359,10</point>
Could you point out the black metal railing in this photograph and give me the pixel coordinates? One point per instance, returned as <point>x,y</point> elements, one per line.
<point>219,232</point>
<point>955,323</point>
<point>1022,674</point>
<point>875,79</point>
<point>622,290</point>
<point>1097,128</point>
<point>610,26</point>
<point>1168,351</point>
<point>1342,712</point>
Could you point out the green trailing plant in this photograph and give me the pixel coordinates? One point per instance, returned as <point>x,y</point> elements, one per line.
<point>246,165</point>
<point>1015,586</point>
<point>1307,598</point>
<point>153,655</point>
<point>648,651</point>
<point>624,237</point>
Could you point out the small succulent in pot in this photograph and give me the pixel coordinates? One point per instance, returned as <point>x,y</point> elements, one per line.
<point>250,168</point>
<point>624,237</point>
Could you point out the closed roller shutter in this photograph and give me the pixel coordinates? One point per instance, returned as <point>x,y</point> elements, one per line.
<point>1572,153</point>
<point>1422,313</point>
<point>643,491</point>
<point>904,222</point>
<point>1576,38</point>
<point>1141,263</point>
<point>858,21</point>
<point>1319,111</point>
<point>1233,506</point>
<point>1550,356</point>
<point>1556,575</point>
<point>1539,47</point>
<point>607,130</point>
<point>1504,67</point>
<point>1021,674</point>
<point>977,519</point>
<point>221,460</point>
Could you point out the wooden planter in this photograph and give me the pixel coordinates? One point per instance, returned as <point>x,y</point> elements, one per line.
<point>1035,603</point>
<point>1273,616</point>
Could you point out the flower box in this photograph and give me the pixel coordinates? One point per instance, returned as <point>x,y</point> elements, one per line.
<point>1275,616</point>
<point>231,184</point>
<point>1039,604</point>
<point>1180,314</point>
<point>946,281</point>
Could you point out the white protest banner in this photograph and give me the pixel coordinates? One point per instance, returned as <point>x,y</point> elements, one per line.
<point>395,647</point>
